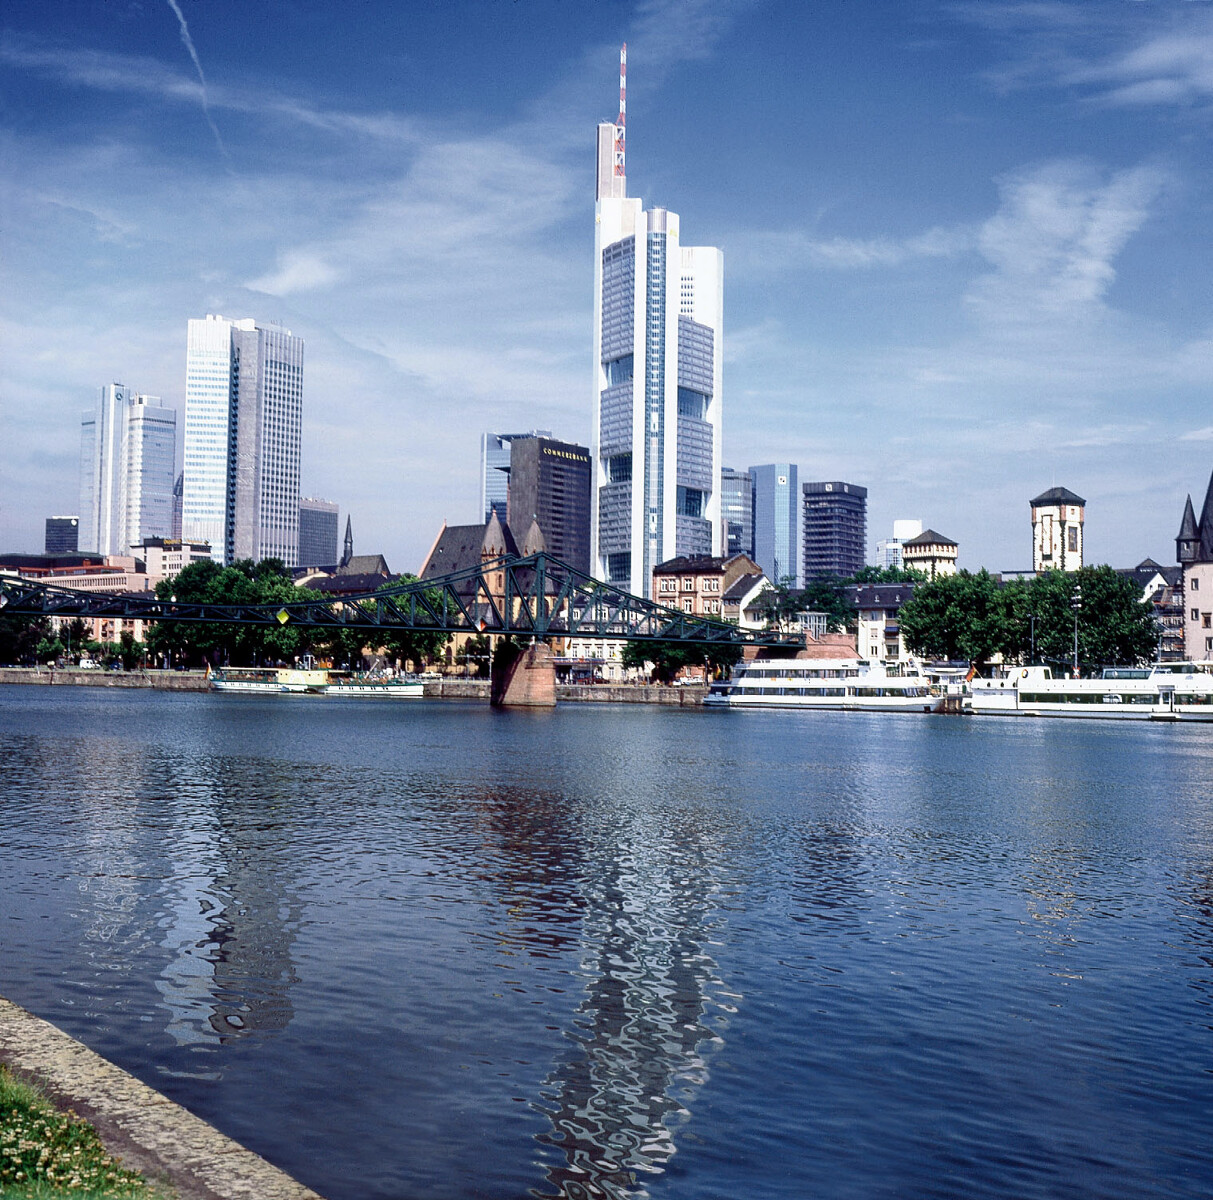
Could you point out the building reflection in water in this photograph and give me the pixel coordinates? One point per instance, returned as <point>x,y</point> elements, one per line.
<point>639,1035</point>
<point>230,916</point>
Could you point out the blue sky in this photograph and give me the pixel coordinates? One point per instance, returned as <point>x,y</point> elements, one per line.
<point>967,247</point>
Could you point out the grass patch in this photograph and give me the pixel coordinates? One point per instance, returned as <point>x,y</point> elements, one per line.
<point>49,1155</point>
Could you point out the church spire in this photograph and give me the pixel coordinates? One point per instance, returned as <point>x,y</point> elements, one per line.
<point>349,541</point>
<point>1188,542</point>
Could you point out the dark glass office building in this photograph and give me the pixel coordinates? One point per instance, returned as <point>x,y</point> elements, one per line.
<point>62,535</point>
<point>835,526</point>
<point>550,483</point>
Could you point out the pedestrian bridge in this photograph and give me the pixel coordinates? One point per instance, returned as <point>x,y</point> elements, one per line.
<point>533,597</point>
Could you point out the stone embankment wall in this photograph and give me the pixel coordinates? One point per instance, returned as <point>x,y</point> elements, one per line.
<point>171,681</point>
<point>444,689</point>
<point>597,693</point>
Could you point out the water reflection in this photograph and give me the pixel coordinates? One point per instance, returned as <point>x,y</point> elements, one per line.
<point>639,1034</point>
<point>230,914</point>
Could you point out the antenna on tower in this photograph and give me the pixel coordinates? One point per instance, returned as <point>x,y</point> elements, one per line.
<point>621,124</point>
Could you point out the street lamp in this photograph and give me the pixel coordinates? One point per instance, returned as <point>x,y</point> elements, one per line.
<point>1076,605</point>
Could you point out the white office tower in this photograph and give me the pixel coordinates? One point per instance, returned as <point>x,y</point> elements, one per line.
<point>243,422</point>
<point>658,321</point>
<point>128,444</point>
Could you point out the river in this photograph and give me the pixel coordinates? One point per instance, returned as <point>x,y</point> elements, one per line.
<point>426,950</point>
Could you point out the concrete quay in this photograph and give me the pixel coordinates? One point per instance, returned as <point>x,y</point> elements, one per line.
<point>166,681</point>
<point>449,688</point>
<point>138,1125</point>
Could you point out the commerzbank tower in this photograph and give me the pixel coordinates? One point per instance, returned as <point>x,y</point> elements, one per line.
<point>658,324</point>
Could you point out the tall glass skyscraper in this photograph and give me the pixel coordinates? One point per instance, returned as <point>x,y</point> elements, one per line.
<point>128,447</point>
<point>777,522</point>
<point>655,439</point>
<point>243,423</point>
<point>736,512</point>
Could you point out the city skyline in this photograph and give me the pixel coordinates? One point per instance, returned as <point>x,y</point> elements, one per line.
<point>963,244</point>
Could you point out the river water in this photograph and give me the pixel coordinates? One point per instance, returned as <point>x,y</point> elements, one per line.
<point>427,950</point>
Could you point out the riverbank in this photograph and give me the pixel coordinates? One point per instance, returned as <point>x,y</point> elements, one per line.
<point>143,1128</point>
<point>450,688</point>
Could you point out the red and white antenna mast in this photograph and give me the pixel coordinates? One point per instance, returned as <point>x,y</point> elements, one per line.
<point>621,124</point>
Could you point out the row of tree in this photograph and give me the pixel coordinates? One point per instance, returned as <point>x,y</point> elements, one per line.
<point>267,583</point>
<point>976,618</point>
<point>972,617</point>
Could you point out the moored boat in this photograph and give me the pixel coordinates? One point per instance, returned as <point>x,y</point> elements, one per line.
<point>388,687</point>
<point>1164,692</point>
<point>268,680</point>
<point>849,683</point>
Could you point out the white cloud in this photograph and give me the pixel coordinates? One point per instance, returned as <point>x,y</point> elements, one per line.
<point>1054,240</point>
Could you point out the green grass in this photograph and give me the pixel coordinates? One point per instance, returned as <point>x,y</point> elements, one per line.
<point>49,1155</point>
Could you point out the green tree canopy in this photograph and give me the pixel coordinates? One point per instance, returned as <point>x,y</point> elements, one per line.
<point>961,616</point>
<point>669,657</point>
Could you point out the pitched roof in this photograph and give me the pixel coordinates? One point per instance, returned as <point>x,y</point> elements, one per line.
<point>691,562</point>
<point>460,547</point>
<point>929,537</point>
<point>1057,495</point>
<point>741,586</point>
<point>365,564</point>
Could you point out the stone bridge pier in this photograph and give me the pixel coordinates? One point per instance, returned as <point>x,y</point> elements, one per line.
<point>523,677</point>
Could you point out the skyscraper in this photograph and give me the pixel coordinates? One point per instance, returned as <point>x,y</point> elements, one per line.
<point>736,512</point>
<point>243,422</point>
<point>62,535</point>
<point>655,437</point>
<point>128,444</point>
<point>318,527</point>
<point>835,518</point>
<point>495,469</point>
<point>550,484</point>
<point>777,522</point>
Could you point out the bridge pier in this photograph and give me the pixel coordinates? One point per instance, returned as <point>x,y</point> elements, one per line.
<point>525,678</point>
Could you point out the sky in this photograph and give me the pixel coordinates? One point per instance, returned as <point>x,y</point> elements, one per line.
<point>967,244</point>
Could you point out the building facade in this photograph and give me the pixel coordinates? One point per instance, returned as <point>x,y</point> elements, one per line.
<point>128,447</point>
<point>697,584</point>
<point>495,469</point>
<point>550,484</point>
<point>243,425</point>
<point>878,629</point>
<point>656,425</point>
<point>931,553</point>
<point>889,552</point>
<point>835,525</point>
<point>318,528</point>
<point>62,535</point>
<point>776,508</point>
<point>1057,520</point>
<point>736,511</point>
<point>1194,549</point>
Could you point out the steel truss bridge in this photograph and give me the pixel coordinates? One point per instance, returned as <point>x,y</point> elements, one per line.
<point>533,597</point>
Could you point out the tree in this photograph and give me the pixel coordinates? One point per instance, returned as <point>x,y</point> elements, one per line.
<point>960,616</point>
<point>1114,624</point>
<point>668,658</point>
<point>411,645</point>
<point>20,637</point>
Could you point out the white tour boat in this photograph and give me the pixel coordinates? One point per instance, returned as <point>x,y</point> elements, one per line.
<point>268,680</point>
<point>1164,692</point>
<point>846,683</point>
<point>387,687</point>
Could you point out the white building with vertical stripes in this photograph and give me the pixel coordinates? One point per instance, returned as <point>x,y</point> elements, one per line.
<point>658,355</point>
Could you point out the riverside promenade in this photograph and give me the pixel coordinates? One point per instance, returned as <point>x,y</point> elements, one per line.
<point>138,1125</point>
<point>451,687</point>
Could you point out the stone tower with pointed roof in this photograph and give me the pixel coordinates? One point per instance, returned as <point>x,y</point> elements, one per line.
<point>1194,549</point>
<point>1057,520</point>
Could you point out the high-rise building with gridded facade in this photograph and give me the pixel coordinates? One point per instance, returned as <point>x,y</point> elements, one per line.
<point>243,423</point>
<point>128,447</point>
<point>655,440</point>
